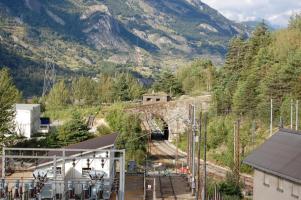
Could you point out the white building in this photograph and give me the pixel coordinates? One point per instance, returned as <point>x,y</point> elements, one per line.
<point>277,165</point>
<point>27,119</point>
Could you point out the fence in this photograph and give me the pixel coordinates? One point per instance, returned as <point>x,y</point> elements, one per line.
<point>62,173</point>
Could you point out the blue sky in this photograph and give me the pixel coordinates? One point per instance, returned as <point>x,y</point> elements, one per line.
<point>277,12</point>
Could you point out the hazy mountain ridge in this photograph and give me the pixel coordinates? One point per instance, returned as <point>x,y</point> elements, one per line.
<point>92,35</point>
<point>147,28</point>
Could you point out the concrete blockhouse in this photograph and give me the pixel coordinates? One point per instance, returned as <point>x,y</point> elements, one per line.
<point>153,98</point>
<point>27,119</point>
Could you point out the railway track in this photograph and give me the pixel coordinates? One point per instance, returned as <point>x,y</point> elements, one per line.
<point>166,153</point>
<point>172,188</point>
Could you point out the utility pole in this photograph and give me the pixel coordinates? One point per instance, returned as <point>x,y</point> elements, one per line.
<point>193,150</point>
<point>234,142</point>
<point>199,157</point>
<point>189,138</point>
<point>237,150</point>
<point>280,122</point>
<point>297,114</point>
<point>204,196</point>
<point>271,120</point>
<point>177,143</point>
<point>188,149</point>
<point>292,110</point>
<point>253,134</point>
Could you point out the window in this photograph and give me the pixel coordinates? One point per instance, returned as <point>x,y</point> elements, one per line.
<point>58,170</point>
<point>266,180</point>
<point>148,99</point>
<point>295,191</point>
<point>280,184</point>
<point>157,99</point>
<point>86,171</point>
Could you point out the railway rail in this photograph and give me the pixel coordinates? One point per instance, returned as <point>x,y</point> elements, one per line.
<point>166,152</point>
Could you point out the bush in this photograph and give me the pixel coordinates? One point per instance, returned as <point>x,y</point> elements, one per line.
<point>230,189</point>
<point>75,130</point>
<point>103,130</point>
<point>130,135</point>
<point>217,131</point>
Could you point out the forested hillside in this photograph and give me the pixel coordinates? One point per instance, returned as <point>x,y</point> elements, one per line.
<point>95,36</point>
<point>266,66</point>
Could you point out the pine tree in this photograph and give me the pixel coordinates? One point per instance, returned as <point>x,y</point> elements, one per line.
<point>9,95</point>
<point>121,88</point>
<point>59,96</point>
<point>295,22</point>
<point>75,130</point>
<point>84,91</point>
<point>105,89</point>
<point>167,82</point>
<point>126,87</point>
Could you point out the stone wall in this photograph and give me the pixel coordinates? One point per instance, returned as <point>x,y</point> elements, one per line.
<point>175,113</point>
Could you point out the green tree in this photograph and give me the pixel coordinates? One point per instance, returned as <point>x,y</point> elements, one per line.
<point>75,130</point>
<point>197,77</point>
<point>84,91</point>
<point>245,96</point>
<point>130,133</point>
<point>103,130</point>
<point>295,22</point>
<point>230,189</point>
<point>105,89</point>
<point>167,82</point>
<point>235,56</point>
<point>59,96</point>
<point>126,87</point>
<point>9,95</point>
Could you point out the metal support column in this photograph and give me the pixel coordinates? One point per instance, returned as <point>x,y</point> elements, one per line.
<point>204,196</point>
<point>193,152</point>
<point>54,178</point>
<point>297,114</point>
<point>3,162</point>
<point>271,120</point>
<point>122,176</point>
<point>292,111</point>
<point>63,172</point>
<point>198,189</point>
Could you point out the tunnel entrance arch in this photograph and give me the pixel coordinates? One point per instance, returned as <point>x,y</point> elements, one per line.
<point>174,113</point>
<point>158,127</point>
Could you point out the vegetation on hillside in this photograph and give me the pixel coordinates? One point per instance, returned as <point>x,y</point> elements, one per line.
<point>265,66</point>
<point>131,137</point>
<point>89,37</point>
<point>168,83</point>
<point>198,77</point>
<point>9,95</point>
<point>84,91</point>
<point>74,130</point>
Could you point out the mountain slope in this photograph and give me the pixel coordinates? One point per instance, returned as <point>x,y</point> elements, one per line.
<point>92,33</point>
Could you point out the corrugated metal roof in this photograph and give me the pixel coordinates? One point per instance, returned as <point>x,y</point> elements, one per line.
<point>280,155</point>
<point>94,143</point>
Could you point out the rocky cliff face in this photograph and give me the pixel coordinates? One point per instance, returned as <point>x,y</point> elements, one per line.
<point>144,32</point>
